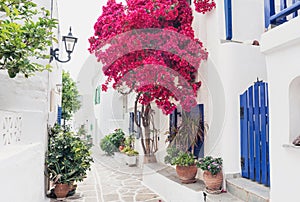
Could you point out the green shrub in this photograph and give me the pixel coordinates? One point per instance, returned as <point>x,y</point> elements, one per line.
<point>110,143</point>
<point>68,158</point>
<point>117,137</point>
<point>107,146</point>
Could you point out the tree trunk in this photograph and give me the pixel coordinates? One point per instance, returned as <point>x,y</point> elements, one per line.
<point>147,143</point>
<point>147,139</point>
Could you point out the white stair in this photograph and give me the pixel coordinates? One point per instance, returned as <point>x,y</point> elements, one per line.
<point>247,190</point>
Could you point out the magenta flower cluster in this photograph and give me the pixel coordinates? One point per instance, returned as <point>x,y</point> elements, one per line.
<point>149,46</point>
<point>213,165</point>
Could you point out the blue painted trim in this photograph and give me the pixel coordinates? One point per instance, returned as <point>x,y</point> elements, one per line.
<point>264,142</point>
<point>59,112</point>
<point>275,19</point>
<point>251,133</point>
<point>257,134</point>
<point>269,11</point>
<point>228,19</point>
<point>295,14</point>
<point>131,122</point>
<point>268,136</point>
<point>282,7</point>
<point>244,135</point>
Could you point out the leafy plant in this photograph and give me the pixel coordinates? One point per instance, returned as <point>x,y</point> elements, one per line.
<point>213,165</point>
<point>132,152</point>
<point>68,158</point>
<point>25,36</point>
<point>129,151</point>
<point>172,152</point>
<point>70,103</point>
<point>111,142</point>
<point>117,137</point>
<point>177,157</point>
<point>129,141</point>
<point>107,146</point>
<point>188,132</point>
<point>184,159</point>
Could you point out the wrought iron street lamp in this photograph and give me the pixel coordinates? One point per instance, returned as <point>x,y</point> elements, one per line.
<point>69,42</point>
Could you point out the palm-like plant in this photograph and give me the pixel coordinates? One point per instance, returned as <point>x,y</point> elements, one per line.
<point>188,132</point>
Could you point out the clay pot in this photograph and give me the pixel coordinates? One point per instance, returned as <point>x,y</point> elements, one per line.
<point>61,190</point>
<point>213,182</point>
<point>187,174</point>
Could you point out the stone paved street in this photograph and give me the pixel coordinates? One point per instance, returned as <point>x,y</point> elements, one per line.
<point>110,181</point>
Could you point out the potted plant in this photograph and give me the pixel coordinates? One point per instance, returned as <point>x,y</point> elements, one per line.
<point>68,158</point>
<point>182,143</point>
<point>131,155</point>
<point>185,164</point>
<point>112,142</point>
<point>213,176</point>
<point>188,134</point>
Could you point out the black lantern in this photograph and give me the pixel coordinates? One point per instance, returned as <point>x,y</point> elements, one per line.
<point>69,42</point>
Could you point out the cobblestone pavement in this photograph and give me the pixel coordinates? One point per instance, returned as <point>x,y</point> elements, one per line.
<point>109,181</point>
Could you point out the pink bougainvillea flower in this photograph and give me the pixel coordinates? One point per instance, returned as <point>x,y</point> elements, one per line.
<point>150,47</point>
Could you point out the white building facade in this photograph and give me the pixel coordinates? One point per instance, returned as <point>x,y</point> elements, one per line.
<point>27,107</point>
<point>232,67</point>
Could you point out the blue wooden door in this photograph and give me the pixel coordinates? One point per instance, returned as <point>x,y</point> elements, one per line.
<point>254,126</point>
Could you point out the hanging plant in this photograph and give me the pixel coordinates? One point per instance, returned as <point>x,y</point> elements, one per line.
<point>203,6</point>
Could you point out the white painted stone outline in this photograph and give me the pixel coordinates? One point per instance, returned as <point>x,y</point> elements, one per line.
<point>10,128</point>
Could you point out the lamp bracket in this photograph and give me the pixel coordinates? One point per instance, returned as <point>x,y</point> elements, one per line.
<point>54,54</point>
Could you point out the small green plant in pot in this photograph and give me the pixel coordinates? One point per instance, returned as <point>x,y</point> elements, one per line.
<point>213,176</point>
<point>185,164</point>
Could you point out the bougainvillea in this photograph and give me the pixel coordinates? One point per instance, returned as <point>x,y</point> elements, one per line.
<point>203,6</point>
<point>149,47</point>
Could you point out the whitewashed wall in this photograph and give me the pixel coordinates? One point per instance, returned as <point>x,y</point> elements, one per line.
<point>281,46</point>
<point>36,100</point>
<point>230,69</point>
<point>106,116</point>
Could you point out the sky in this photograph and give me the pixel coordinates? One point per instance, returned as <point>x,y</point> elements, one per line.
<point>81,15</point>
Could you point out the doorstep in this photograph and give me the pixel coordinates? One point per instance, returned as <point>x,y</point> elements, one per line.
<point>163,180</point>
<point>248,190</point>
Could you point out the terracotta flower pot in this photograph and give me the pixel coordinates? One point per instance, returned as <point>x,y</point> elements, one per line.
<point>187,174</point>
<point>213,183</point>
<point>61,190</point>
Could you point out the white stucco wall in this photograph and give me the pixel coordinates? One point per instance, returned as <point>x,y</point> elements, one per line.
<point>106,116</point>
<point>281,46</point>
<point>36,99</point>
<point>231,68</point>
<point>22,178</point>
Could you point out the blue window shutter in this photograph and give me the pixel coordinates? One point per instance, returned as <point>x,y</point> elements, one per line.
<point>131,122</point>
<point>59,111</point>
<point>228,19</point>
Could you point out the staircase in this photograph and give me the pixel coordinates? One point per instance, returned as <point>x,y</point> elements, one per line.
<point>247,190</point>
<point>240,190</point>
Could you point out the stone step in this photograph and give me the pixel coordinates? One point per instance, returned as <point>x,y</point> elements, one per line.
<point>247,190</point>
<point>223,197</point>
